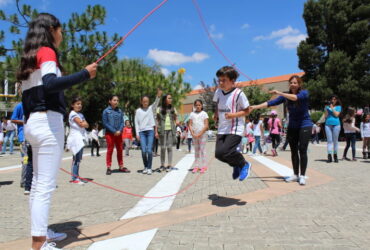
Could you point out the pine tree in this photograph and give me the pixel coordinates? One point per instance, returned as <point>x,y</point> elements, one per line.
<point>335,55</point>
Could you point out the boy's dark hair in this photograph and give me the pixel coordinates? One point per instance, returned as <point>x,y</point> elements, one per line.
<point>229,72</point>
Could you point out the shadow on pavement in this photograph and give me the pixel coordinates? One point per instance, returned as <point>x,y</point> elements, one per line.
<point>269,178</point>
<point>221,201</point>
<point>73,233</point>
<point>3,183</point>
<point>322,160</point>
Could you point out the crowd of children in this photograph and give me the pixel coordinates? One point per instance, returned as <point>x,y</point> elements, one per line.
<point>44,108</point>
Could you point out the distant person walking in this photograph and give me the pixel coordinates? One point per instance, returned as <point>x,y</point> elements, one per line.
<point>332,127</point>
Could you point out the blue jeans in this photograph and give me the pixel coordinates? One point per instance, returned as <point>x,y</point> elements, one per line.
<point>76,164</point>
<point>190,140</point>
<point>146,143</point>
<point>257,144</point>
<point>350,141</point>
<point>332,135</point>
<point>9,136</point>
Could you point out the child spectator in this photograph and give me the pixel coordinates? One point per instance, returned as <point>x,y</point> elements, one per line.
<point>198,125</point>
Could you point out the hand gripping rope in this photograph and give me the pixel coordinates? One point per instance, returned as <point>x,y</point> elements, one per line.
<point>139,195</point>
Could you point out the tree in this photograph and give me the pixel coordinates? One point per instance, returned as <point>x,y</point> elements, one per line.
<point>256,95</point>
<point>130,79</point>
<point>335,55</point>
<point>207,95</point>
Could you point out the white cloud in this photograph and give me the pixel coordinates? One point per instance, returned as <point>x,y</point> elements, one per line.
<point>44,5</point>
<point>212,32</point>
<point>4,2</point>
<point>198,87</point>
<point>289,37</point>
<point>188,77</point>
<point>290,42</point>
<point>278,33</point>
<point>245,26</point>
<point>168,58</point>
<point>165,72</point>
<point>253,52</point>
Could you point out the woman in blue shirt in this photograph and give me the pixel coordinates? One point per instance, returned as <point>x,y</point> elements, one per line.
<point>332,126</point>
<point>300,125</point>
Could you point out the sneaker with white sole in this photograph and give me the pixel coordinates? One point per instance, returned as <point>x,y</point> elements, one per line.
<point>291,178</point>
<point>302,180</point>
<point>54,236</point>
<point>149,172</point>
<point>145,171</point>
<point>48,246</point>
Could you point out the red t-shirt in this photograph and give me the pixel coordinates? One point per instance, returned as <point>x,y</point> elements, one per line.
<point>127,133</point>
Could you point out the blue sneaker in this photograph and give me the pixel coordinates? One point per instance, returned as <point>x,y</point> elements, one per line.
<point>245,171</point>
<point>236,172</point>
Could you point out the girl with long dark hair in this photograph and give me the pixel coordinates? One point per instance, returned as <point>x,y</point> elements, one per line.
<point>274,125</point>
<point>44,108</point>
<point>350,133</point>
<point>76,136</point>
<point>332,127</point>
<point>145,130</point>
<point>167,120</point>
<point>300,125</point>
<point>257,133</point>
<point>113,123</point>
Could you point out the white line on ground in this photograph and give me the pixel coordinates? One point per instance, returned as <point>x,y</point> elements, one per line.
<point>274,166</point>
<point>169,184</point>
<point>341,147</point>
<point>63,159</point>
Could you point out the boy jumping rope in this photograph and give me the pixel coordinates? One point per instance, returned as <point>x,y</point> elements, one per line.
<point>232,107</point>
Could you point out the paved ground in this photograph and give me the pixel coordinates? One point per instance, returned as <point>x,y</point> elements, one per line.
<point>331,212</point>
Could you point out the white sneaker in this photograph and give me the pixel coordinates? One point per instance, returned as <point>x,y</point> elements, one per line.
<point>54,236</point>
<point>26,192</point>
<point>149,172</point>
<point>49,246</point>
<point>302,180</point>
<point>145,171</point>
<point>291,178</point>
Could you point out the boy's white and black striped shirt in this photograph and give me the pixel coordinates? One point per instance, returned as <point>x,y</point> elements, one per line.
<point>230,102</point>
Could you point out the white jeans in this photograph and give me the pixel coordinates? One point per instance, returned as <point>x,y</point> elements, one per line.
<point>45,132</point>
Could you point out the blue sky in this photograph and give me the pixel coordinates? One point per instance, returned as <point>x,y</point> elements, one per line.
<point>260,37</point>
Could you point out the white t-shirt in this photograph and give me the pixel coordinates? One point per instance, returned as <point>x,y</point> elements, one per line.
<point>73,125</point>
<point>9,126</point>
<point>257,128</point>
<point>75,140</point>
<point>231,102</point>
<point>249,128</point>
<point>198,121</point>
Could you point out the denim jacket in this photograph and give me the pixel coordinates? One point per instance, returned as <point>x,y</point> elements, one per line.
<point>113,120</point>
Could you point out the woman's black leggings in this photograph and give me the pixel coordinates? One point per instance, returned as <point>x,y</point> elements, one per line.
<point>298,141</point>
<point>275,139</point>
